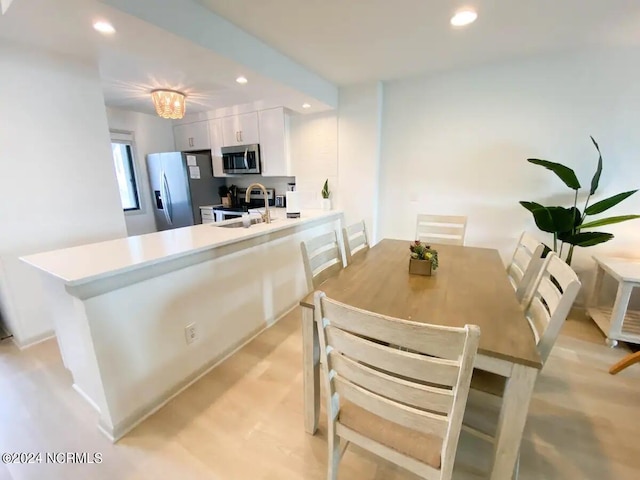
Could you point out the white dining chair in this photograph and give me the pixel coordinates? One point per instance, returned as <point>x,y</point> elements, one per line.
<point>525,264</point>
<point>355,239</point>
<point>404,406</point>
<point>322,258</point>
<point>555,289</point>
<point>443,229</point>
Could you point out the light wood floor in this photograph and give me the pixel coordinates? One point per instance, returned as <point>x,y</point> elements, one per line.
<point>244,420</point>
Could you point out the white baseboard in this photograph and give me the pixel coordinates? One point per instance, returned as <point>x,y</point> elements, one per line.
<point>43,337</point>
<point>86,397</point>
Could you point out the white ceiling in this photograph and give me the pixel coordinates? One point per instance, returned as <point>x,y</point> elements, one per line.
<point>353,41</point>
<point>139,57</point>
<point>345,41</point>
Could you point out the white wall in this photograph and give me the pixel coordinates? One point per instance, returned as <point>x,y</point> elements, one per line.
<point>152,134</point>
<point>314,154</point>
<point>359,124</point>
<point>58,186</point>
<point>457,143</point>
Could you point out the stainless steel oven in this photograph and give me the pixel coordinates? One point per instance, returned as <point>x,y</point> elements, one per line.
<point>241,159</point>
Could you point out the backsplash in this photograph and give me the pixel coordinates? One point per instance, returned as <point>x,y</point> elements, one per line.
<point>279,183</point>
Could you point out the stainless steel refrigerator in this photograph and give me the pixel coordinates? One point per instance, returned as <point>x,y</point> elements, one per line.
<point>180,184</point>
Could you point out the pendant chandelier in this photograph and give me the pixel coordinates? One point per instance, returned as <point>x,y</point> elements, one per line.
<point>169,103</point>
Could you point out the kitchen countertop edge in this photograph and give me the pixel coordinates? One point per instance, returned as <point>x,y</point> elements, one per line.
<point>42,261</point>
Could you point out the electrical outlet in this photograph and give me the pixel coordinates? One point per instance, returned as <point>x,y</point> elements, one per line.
<point>190,333</point>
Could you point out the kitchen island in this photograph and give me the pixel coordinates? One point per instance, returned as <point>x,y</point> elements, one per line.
<point>139,319</point>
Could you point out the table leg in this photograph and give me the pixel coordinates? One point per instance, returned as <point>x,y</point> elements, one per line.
<point>597,286</point>
<point>619,309</point>
<point>513,416</point>
<point>310,371</point>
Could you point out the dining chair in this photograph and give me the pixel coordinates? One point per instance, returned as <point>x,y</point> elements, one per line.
<point>405,407</point>
<point>525,264</point>
<point>555,289</point>
<point>322,258</point>
<point>355,239</point>
<point>443,229</point>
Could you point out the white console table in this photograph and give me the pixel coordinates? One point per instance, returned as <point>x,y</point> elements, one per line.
<point>617,323</point>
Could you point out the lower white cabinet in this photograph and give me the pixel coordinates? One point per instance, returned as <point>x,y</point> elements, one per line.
<point>207,214</point>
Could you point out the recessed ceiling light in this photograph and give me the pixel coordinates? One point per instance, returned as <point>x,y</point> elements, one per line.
<point>306,105</point>
<point>242,80</point>
<point>463,17</point>
<point>104,27</point>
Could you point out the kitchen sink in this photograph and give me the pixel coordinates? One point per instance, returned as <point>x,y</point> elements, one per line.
<point>239,223</point>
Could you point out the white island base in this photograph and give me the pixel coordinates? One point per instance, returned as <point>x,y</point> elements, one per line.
<point>121,308</point>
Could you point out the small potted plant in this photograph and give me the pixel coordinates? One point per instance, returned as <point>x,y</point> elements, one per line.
<point>424,260</point>
<point>326,201</point>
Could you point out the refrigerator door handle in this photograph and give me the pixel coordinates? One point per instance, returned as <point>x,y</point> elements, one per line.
<point>166,197</point>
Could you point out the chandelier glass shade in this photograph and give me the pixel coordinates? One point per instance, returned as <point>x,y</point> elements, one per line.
<point>169,103</point>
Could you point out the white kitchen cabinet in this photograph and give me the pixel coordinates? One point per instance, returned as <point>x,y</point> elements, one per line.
<point>207,214</point>
<point>240,129</point>
<point>274,142</point>
<point>215,135</point>
<point>218,170</point>
<point>192,136</point>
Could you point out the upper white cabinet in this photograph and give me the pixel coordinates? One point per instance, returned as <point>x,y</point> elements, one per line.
<point>240,129</point>
<point>215,135</point>
<point>192,136</point>
<point>274,142</point>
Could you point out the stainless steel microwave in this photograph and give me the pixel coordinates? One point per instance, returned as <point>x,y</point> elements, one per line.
<point>241,159</point>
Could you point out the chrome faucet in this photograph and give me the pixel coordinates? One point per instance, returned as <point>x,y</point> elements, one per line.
<point>266,216</point>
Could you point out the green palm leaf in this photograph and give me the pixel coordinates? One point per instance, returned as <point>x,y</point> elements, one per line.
<point>531,206</point>
<point>607,203</point>
<point>567,175</point>
<point>587,239</point>
<point>554,219</point>
<point>596,176</point>
<point>609,221</point>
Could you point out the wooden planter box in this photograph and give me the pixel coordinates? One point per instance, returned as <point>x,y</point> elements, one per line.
<point>420,267</point>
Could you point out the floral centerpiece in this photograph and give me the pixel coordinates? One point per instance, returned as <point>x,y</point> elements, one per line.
<point>424,260</point>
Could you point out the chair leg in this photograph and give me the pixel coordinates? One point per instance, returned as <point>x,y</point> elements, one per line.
<point>516,470</point>
<point>625,362</point>
<point>333,460</point>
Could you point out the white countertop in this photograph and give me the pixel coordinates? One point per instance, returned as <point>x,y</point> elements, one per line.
<point>90,262</point>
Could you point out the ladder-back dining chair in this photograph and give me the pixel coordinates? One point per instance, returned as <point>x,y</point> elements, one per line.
<point>443,229</point>
<point>355,239</point>
<point>555,289</point>
<point>404,406</point>
<point>525,264</point>
<point>322,258</point>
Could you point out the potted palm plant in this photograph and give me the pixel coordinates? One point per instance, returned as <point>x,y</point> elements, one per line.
<point>567,225</point>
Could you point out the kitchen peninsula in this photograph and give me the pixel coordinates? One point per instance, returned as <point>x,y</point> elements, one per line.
<point>138,319</point>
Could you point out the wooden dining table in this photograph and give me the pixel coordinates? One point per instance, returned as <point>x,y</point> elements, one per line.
<point>469,287</point>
